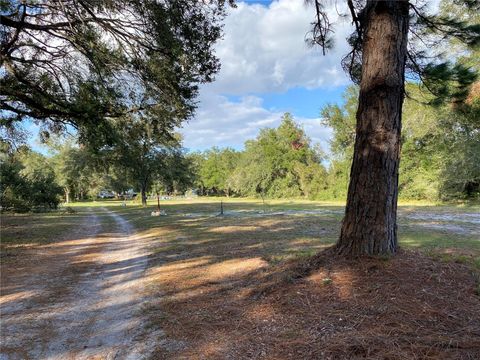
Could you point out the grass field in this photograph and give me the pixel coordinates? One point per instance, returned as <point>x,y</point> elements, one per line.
<point>279,229</point>
<point>209,276</point>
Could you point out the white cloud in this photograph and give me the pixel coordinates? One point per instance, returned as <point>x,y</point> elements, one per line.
<point>221,122</point>
<point>264,51</point>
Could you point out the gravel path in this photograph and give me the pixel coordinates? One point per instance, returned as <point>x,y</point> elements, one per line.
<point>79,298</point>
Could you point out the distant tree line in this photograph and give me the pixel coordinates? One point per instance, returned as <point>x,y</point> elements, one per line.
<point>27,180</point>
<point>440,160</point>
<point>280,162</point>
<point>440,155</point>
<point>33,181</point>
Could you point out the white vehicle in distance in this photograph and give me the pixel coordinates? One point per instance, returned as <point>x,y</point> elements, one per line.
<point>106,194</point>
<point>130,194</point>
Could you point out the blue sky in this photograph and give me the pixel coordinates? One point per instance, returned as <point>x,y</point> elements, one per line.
<point>267,70</point>
<point>299,100</point>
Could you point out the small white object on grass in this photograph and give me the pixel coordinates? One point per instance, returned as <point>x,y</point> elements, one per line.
<point>159,213</point>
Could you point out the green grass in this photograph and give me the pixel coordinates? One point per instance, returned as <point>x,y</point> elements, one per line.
<point>213,203</point>
<point>38,228</point>
<point>431,239</point>
<point>410,234</point>
<point>275,237</point>
<point>297,241</point>
<point>32,229</point>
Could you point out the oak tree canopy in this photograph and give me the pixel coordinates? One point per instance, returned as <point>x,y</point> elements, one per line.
<point>85,63</point>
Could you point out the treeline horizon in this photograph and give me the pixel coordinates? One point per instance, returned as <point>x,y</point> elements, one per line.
<point>440,160</point>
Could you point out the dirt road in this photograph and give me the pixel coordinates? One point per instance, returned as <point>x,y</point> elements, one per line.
<point>79,298</point>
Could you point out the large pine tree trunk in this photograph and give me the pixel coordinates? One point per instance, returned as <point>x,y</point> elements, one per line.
<point>369,226</point>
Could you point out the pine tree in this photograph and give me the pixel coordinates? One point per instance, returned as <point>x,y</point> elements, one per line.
<point>393,39</point>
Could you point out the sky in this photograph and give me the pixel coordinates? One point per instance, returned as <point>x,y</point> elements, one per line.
<point>267,70</point>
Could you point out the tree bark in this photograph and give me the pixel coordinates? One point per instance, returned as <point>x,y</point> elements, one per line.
<point>369,226</point>
<point>143,192</point>
<point>67,195</point>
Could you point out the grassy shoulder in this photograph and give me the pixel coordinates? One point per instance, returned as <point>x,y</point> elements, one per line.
<point>222,284</point>
<point>38,228</point>
<point>422,225</point>
<point>30,230</point>
<point>276,230</point>
<point>297,228</point>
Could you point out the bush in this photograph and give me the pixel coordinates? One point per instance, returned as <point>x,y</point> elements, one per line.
<point>27,182</point>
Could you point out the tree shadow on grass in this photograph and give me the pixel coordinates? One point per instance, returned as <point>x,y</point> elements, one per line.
<point>78,297</point>
<point>217,293</point>
<point>405,307</point>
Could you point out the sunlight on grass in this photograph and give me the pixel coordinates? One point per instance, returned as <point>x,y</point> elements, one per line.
<point>421,239</point>
<point>192,227</point>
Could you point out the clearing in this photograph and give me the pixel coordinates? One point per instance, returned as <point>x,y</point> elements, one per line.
<point>115,282</point>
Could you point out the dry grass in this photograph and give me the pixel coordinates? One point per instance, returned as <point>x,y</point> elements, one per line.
<point>409,307</point>
<point>248,288</point>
